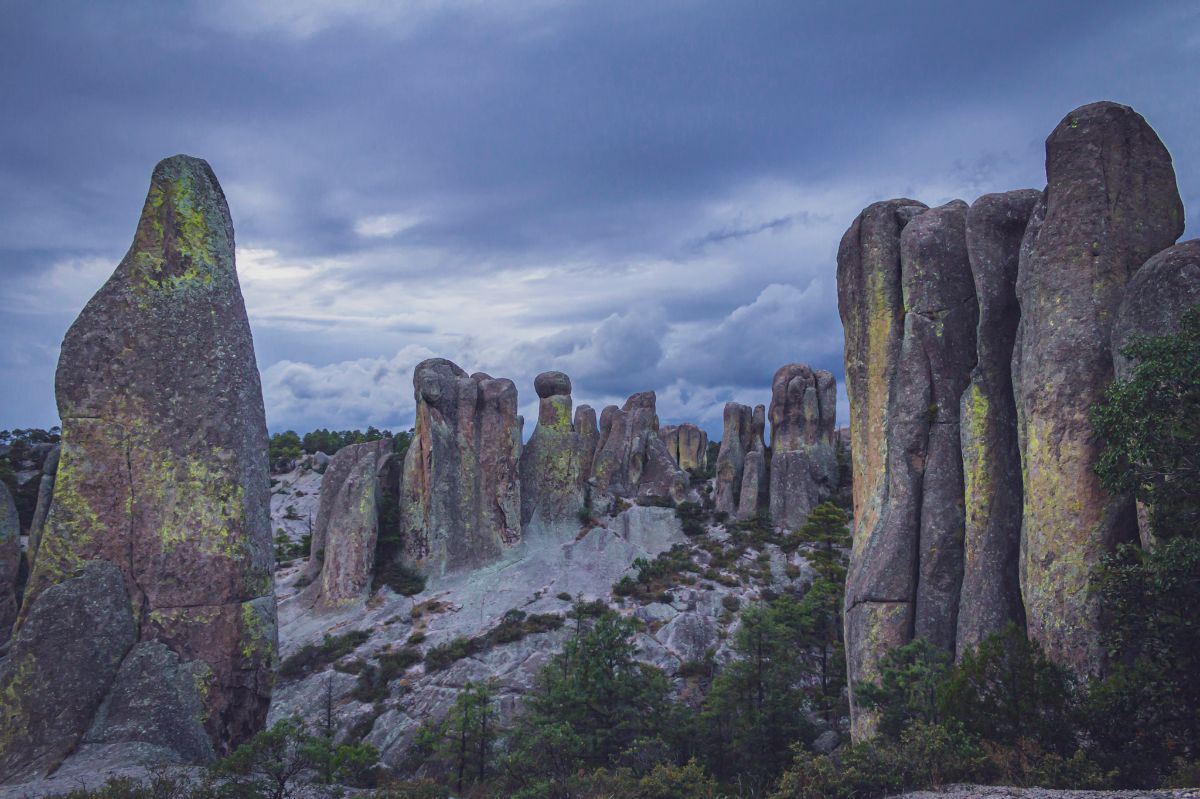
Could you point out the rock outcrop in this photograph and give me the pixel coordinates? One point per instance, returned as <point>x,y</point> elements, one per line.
<point>358,491</point>
<point>1154,303</point>
<point>1111,202</point>
<point>161,489</point>
<point>44,498</point>
<point>908,304</point>
<point>10,561</point>
<point>991,591</point>
<point>556,461</point>
<point>736,442</point>
<point>688,445</point>
<point>460,501</point>
<point>879,586</point>
<point>631,460</point>
<point>755,469</point>
<point>803,460</point>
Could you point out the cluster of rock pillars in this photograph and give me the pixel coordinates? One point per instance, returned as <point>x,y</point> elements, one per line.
<point>977,339</point>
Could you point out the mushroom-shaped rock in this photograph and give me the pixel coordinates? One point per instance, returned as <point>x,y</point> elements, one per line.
<point>460,500</point>
<point>556,460</point>
<point>163,466</point>
<point>552,384</point>
<point>1111,202</point>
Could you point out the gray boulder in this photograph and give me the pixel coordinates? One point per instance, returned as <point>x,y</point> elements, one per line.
<point>991,592</point>
<point>1111,202</point>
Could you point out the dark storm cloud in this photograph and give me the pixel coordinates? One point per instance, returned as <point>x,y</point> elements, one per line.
<point>647,193</point>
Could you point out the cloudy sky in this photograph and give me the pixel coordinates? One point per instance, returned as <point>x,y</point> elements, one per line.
<point>646,195</point>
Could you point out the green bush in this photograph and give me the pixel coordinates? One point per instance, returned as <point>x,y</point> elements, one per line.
<point>312,657</point>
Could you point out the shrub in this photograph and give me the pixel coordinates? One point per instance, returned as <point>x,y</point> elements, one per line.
<point>312,657</point>
<point>401,577</point>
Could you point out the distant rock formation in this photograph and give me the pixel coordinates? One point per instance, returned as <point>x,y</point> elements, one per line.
<point>631,460</point>
<point>359,488</point>
<point>737,440</point>
<point>991,591</point>
<point>688,445</point>
<point>460,501</point>
<point>556,461</point>
<point>158,530</point>
<point>1111,202</point>
<point>10,561</point>
<point>803,461</point>
<point>1155,300</point>
<point>755,481</point>
<point>42,509</point>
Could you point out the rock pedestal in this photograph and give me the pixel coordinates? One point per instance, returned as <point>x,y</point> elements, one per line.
<point>556,461</point>
<point>460,502</point>
<point>1111,202</point>
<point>162,480</point>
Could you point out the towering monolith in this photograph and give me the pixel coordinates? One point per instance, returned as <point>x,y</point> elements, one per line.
<point>736,443</point>
<point>1111,202</point>
<point>631,460</point>
<point>460,499</point>
<point>803,461</point>
<point>162,474</point>
<point>880,584</point>
<point>10,561</point>
<point>755,468</point>
<point>556,460</point>
<point>991,592</point>
<point>1157,297</point>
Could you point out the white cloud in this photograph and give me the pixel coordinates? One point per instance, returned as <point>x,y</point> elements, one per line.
<point>385,226</point>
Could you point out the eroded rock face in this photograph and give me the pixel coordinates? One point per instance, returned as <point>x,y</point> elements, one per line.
<point>755,469</point>
<point>688,445</point>
<point>1111,202</point>
<point>557,459</point>
<point>1154,303</point>
<point>360,489</point>
<point>803,460</point>
<point>460,505</point>
<point>10,561</point>
<point>880,585</point>
<point>991,593</point>
<point>163,466</point>
<point>631,460</point>
<point>42,509</point>
<point>736,443</point>
<point>63,661</point>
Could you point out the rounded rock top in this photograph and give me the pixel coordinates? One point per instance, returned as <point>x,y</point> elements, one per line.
<point>551,384</point>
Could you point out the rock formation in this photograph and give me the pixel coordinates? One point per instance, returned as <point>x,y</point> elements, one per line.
<point>991,593</point>
<point>158,530</point>
<point>803,461</point>
<point>1155,300</point>
<point>688,445</point>
<point>1111,202</point>
<point>42,509</point>
<point>460,502</point>
<point>556,461</point>
<point>631,460</point>
<point>736,442</point>
<point>10,561</point>
<point>358,491</point>
<point>755,481</point>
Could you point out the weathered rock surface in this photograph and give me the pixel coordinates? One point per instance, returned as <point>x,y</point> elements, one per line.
<point>631,460</point>
<point>1154,303</point>
<point>10,561</point>
<point>44,498</point>
<point>688,445</point>
<point>1111,202</point>
<point>755,469</point>
<point>879,586</point>
<point>991,592</point>
<point>556,461</point>
<point>163,466</point>
<point>736,442</point>
<point>154,700</point>
<point>803,461</point>
<point>460,505</point>
<point>63,661</point>
<point>362,484</point>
